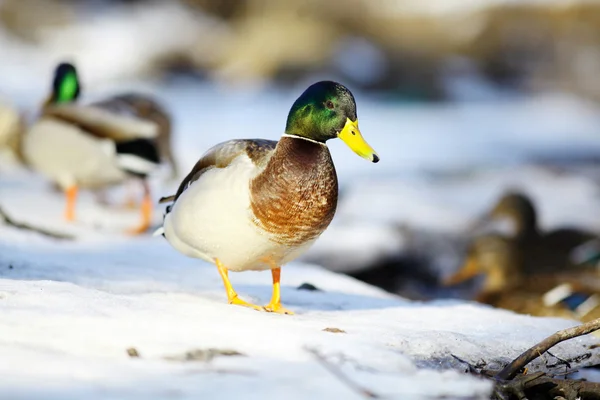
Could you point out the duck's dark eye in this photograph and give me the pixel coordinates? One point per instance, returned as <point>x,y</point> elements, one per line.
<point>329,104</point>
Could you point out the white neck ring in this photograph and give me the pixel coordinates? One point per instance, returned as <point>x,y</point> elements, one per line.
<point>303,138</point>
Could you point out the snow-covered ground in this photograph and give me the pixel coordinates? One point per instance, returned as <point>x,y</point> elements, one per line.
<point>70,310</point>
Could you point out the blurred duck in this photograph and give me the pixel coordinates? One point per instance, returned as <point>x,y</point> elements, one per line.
<point>520,269</point>
<point>97,145</point>
<point>145,107</point>
<point>11,128</point>
<point>540,251</point>
<point>571,294</point>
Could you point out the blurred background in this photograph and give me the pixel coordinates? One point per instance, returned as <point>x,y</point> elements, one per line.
<point>463,99</point>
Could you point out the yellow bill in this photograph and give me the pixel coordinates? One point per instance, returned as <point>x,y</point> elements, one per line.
<point>352,137</point>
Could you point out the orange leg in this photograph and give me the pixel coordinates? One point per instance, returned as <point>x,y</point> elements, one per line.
<point>275,303</point>
<point>71,196</point>
<point>147,208</point>
<point>232,296</point>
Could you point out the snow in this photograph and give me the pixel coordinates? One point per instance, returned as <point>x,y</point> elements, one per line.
<point>70,311</point>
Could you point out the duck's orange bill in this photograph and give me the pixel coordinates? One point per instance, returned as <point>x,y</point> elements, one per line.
<point>467,271</point>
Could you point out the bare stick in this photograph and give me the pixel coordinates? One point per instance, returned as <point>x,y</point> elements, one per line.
<point>335,371</point>
<point>511,370</point>
<point>538,383</point>
<point>19,225</point>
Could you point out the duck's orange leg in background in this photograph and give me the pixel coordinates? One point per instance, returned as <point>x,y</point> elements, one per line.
<point>146,208</point>
<point>71,201</point>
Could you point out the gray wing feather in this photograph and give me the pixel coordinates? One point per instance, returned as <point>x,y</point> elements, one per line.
<point>221,155</point>
<point>103,122</point>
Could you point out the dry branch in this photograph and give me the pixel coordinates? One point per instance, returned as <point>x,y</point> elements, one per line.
<point>335,371</point>
<point>19,225</point>
<point>508,384</point>
<point>511,370</point>
<point>553,388</point>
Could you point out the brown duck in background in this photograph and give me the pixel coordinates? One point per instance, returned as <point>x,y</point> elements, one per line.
<point>540,251</point>
<point>521,269</point>
<point>573,293</point>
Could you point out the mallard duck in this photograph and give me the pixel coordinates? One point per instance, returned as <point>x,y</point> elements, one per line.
<point>258,204</point>
<point>506,284</point>
<point>91,146</point>
<point>540,251</point>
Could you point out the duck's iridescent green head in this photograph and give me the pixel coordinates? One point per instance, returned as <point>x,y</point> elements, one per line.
<point>327,110</point>
<point>65,87</point>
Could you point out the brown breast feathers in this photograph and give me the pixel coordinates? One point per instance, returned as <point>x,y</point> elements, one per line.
<point>295,197</point>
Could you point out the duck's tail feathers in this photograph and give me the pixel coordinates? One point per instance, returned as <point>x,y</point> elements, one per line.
<point>166,199</point>
<point>161,230</point>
